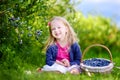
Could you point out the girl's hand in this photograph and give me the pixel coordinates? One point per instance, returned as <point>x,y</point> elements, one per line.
<point>66,62</point>
<point>59,62</point>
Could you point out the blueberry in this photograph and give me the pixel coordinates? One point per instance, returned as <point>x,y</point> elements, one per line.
<point>95,62</point>
<point>38,32</point>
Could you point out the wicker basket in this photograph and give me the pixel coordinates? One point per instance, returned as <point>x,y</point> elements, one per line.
<point>103,69</point>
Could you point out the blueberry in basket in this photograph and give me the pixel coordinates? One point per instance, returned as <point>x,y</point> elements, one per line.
<point>96,62</point>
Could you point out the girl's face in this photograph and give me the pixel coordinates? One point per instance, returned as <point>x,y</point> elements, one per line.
<point>58,30</point>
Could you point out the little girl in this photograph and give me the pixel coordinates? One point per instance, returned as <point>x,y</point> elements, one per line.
<point>62,50</point>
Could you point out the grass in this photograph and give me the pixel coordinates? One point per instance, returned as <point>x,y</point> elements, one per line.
<point>28,71</point>
<point>33,75</point>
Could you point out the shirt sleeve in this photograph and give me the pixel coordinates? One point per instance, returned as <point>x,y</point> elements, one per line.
<point>50,56</point>
<point>76,54</point>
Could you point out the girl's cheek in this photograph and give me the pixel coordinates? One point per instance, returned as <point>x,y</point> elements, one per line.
<point>53,32</point>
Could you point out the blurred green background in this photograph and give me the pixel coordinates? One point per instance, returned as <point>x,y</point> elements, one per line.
<point>24,31</point>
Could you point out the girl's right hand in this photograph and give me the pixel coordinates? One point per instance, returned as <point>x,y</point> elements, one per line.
<point>66,62</point>
<point>59,62</point>
<point>63,62</point>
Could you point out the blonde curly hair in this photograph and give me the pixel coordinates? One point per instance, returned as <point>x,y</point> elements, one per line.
<point>71,35</point>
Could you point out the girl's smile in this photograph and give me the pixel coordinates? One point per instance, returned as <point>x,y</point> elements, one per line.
<point>58,30</point>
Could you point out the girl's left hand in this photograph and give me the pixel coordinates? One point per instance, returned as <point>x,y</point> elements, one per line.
<point>66,62</point>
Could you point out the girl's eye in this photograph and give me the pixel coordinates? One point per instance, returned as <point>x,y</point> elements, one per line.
<point>59,27</point>
<point>53,29</point>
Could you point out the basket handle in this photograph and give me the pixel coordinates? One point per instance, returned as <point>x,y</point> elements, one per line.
<point>84,52</point>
